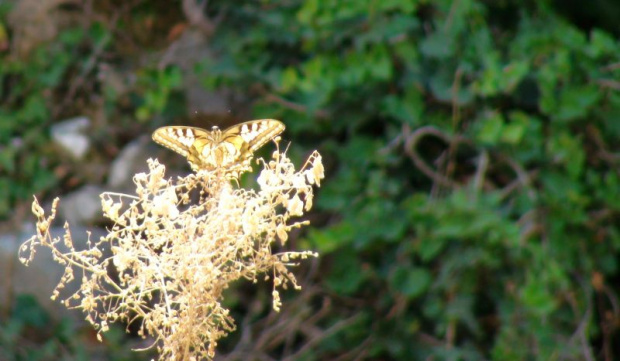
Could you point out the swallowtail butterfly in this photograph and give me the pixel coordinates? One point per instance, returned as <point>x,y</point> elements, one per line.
<point>212,149</point>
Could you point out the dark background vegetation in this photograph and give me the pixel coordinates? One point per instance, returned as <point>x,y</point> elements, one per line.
<point>472,148</point>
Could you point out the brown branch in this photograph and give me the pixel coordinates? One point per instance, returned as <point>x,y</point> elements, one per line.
<point>456,110</point>
<point>615,305</point>
<point>580,332</point>
<point>195,14</point>
<point>393,144</point>
<point>411,141</point>
<point>279,330</point>
<point>595,134</point>
<point>323,335</point>
<point>608,83</point>
<point>524,179</point>
<point>360,351</point>
<point>272,98</point>
<point>611,67</point>
<point>481,170</point>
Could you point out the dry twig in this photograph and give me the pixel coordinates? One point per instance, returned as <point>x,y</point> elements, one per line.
<point>175,257</point>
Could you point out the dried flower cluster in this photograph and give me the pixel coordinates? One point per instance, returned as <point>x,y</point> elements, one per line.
<point>176,245</point>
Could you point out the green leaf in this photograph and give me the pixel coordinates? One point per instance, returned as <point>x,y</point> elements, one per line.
<point>378,221</point>
<point>289,79</point>
<point>34,110</point>
<point>380,63</point>
<point>437,45</point>
<point>514,132</point>
<point>429,248</point>
<point>143,113</point>
<point>403,6</point>
<point>412,282</point>
<point>99,33</point>
<point>346,275</point>
<point>602,43</point>
<point>443,88</point>
<point>71,36</point>
<point>491,128</point>
<point>171,77</point>
<point>513,73</point>
<point>564,148</point>
<point>5,199</point>
<point>575,102</point>
<point>7,159</point>
<point>407,109</point>
<point>29,311</point>
<point>537,297</point>
<point>332,238</point>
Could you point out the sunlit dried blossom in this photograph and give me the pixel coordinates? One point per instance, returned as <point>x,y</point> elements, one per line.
<point>176,245</point>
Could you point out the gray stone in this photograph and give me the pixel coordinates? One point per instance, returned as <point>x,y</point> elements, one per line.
<point>71,136</point>
<point>191,48</point>
<point>42,274</point>
<point>82,207</point>
<point>131,160</point>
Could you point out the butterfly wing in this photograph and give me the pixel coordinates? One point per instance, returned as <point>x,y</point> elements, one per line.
<point>247,137</point>
<point>187,141</point>
<point>212,149</point>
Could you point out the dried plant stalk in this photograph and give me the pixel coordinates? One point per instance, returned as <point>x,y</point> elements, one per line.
<point>175,255</point>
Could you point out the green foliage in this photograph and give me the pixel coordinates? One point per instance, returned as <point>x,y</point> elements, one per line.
<point>29,323</point>
<point>471,158</point>
<point>523,107</point>
<point>31,92</point>
<point>157,85</point>
<point>61,79</point>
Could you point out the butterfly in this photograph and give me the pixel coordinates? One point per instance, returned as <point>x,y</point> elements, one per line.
<point>213,149</point>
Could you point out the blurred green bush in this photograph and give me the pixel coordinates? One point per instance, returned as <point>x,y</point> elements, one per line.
<point>469,209</point>
<point>474,169</point>
<point>29,333</point>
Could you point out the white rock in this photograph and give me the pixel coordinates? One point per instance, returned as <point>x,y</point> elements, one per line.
<point>71,136</point>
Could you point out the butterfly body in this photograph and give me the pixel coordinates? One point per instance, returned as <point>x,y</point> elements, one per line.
<point>213,149</point>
